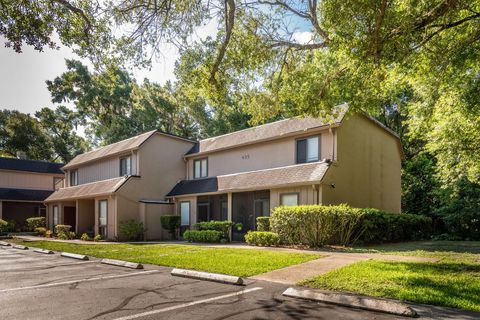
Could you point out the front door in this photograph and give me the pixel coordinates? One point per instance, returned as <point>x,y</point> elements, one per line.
<point>69,217</point>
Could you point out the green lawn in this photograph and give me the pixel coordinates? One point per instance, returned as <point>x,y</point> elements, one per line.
<point>453,281</point>
<point>238,262</point>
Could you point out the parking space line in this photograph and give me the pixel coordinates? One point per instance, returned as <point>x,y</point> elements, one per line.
<point>185,305</point>
<point>56,284</point>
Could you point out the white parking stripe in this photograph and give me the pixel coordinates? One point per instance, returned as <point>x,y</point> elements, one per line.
<point>56,284</point>
<point>185,305</point>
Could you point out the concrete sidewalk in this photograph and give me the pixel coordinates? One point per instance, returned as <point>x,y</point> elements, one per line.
<point>297,273</point>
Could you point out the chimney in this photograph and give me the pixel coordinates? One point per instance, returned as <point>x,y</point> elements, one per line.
<point>21,155</point>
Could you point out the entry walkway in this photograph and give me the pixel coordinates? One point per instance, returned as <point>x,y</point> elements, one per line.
<point>294,274</point>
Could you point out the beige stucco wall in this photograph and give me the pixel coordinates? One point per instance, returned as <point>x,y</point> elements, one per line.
<point>368,171</point>
<point>27,180</point>
<point>264,155</point>
<point>151,213</point>
<point>161,166</point>
<point>103,169</point>
<point>306,195</point>
<point>85,215</point>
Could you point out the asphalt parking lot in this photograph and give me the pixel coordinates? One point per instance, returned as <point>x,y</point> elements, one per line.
<point>38,286</point>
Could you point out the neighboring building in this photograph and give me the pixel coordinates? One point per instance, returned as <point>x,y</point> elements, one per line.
<point>24,185</point>
<point>242,175</point>
<point>122,181</point>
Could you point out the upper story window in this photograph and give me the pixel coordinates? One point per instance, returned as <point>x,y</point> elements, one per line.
<point>126,166</point>
<point>308,149</point>
<point>73,177</point>
<point>200,168</point>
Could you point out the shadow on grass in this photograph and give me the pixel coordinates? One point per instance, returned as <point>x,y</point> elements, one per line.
<point>472,247</point>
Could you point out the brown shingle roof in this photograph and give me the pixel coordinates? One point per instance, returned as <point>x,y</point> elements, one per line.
<point>87,190</point>
<point>111,149</point>
<point>267,131</point>
<point>276,177</point>
<point>254,180</point>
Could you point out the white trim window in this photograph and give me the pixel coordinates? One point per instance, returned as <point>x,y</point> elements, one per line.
<point>102,218</point>
<point>185,213</point>
<point>308,149</point>
<point>55,216</point>
<point>73,178</point>
<point>125,166</point>
<point>200,168</point>
<point>289,199</point>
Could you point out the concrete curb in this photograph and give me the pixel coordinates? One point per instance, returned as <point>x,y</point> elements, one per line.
<point>3,243</point>
<point>44,251</point>
<point>74,256</point>
<point>207,276</point>
<point>20,247</point>
<point>120,263</point>
<point>367,303</point>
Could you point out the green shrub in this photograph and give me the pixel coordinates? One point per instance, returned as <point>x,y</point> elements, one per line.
<point>222,226</point>
<point>41,231</point>
<point>66,235</point>
<point>263,223</point>
<point>316,226</point>
<point>62,228</point>
<point>85,237</point>
<point>11,226</point>
<point>171,223</point>
<point>63,232</point>
<point>262,238</point>
<point>132,230</point>
<point>3,226</point>
<point>203,235</point>
<point>36,222</point>
<point>378,226</point>
<point>97,238</point>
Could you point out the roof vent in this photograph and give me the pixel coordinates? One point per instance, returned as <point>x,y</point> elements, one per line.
<point>21,155</point>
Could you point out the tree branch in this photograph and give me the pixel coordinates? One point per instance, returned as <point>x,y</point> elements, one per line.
<point>229,22</point>
<point>81,14</point>
<point>298,46</point>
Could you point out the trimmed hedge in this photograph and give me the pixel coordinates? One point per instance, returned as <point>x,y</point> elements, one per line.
<point>379,226</point>
<point>203,235</point>
<point>262,238</point>
<point>263,223</point>
<point>36,222</point>
<point>222,226</point>
<point>315,225</point>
